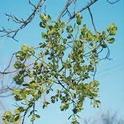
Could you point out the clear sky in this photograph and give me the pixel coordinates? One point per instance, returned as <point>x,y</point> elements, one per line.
<point>110,73</point>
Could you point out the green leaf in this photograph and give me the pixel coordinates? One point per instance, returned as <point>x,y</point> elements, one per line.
<point>78,18</point>
<point>69,29</point>
<point>111,40</point>
<point>112,29</point>
<point>16,117</point>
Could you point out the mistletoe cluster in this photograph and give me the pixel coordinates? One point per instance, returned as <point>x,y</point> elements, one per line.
<point>61,68</point>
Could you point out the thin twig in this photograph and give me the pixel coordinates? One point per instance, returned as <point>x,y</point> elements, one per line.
<point>11,33</point>
<point>92,20</point>
<point>112,2</point>
<point>84,8</point>
<point>25,113</point>
<point>65,10</point>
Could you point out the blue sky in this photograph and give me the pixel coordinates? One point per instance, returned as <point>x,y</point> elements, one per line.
<point>110,73</point>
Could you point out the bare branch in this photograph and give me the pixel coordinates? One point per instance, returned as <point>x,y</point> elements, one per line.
<point>4,90</point>
<point>112,2</point>
<point>92,20</point>
<point>84,8</point>
<point>14,18</point>
<point>25,113</point>
<point>107,55</point>
<point>11,33</point>
<point>65,10</point>
<point>8,66</point>
<point>30,2</point>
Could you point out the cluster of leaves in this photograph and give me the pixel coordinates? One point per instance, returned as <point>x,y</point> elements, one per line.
<point>64,63</point>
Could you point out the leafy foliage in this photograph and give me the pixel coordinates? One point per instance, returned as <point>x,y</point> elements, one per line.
<point>62,68</point>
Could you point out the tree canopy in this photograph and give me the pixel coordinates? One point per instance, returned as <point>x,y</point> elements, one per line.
<point>62,67</point>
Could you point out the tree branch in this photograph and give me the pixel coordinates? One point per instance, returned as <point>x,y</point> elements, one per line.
<point>65,10</point>
<point>84,8</point>
<point>11,33</point>
<point>112,2</point>
<point>92,20</point>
